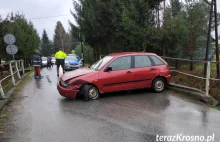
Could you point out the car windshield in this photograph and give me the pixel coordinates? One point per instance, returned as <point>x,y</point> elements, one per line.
<point>98,65</point>
<point>72,58</point>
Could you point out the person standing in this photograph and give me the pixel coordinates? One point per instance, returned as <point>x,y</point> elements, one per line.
<point>49,62</point>
<point>60,60</point>
<point>37,65</point>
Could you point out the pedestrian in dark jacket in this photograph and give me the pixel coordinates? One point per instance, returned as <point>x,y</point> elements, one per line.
<point>37,65</point>
<point>49,62</point>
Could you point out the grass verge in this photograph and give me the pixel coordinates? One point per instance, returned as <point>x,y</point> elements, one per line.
<point>4,112</point>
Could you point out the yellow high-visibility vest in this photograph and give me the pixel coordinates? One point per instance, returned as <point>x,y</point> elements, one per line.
<point>60,55</point>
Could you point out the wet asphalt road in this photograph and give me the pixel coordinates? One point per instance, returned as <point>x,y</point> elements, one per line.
<point>40,114</point>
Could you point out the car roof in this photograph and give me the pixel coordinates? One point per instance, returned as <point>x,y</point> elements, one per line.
<point>130,53</point>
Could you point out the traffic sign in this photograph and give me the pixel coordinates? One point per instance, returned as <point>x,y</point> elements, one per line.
<point>11,49</point>
<point>9,39</point>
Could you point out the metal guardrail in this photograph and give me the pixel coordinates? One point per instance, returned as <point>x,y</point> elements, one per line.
<point>19,66</point>
<point>208,72</point>
<point>207,78</point>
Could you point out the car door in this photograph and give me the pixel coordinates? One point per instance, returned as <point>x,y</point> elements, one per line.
<point>143,71</point>
<point>120,76</point>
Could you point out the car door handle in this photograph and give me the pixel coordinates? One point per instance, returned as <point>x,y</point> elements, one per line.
<point>152,69</point>
<point>128,72</point>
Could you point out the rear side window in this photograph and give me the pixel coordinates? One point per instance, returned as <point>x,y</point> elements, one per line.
<point>142,61</point>
<point>157,61</point>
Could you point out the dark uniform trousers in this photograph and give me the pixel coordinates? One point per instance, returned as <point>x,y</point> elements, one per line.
<point>60,62</point>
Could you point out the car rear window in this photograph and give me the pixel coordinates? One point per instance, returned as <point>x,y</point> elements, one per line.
<point>142,61</point>
<point>157,61</point>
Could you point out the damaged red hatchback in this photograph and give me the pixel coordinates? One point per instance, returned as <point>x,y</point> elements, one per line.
<point>116,72</point>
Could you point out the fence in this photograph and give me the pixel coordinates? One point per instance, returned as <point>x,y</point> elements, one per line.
<point>194,69</point>
<point>15,67</point>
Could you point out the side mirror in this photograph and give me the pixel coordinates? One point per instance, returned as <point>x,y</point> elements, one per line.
<point>108,69</point>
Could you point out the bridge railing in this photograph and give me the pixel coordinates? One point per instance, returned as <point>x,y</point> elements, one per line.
<point>191,73</point>
<point>15,67</point>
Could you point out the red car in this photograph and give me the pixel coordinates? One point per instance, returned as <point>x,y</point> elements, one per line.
<point>4,68</point>
<point>116,72</point>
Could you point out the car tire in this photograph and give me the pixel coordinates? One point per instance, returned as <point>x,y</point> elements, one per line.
<point>86,93</point>
<point>158,85</point>
<point>90,92</point>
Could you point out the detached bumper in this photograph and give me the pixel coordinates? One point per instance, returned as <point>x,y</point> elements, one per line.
<point>66,92</point>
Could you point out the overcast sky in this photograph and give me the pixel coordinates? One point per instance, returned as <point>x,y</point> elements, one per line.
<point>43,8</point>
<point>40,8</point>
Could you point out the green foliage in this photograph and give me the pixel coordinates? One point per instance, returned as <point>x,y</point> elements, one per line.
<point>27,39</point>
<point>176,36</point>
<point>116,25</point>
<point>88,53</point>
<point>62,39</point>
<point>47,47</point>
<point>3,116</point>
<point>128,25</point>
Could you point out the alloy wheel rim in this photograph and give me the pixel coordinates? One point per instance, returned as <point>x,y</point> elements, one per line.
<point>93,93</point>
<point>159,85</point>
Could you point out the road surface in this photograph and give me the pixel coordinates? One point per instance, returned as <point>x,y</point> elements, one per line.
<point>40,114</point>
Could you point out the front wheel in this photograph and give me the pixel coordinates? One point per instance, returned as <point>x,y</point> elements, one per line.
<point>159,85</point>
<point>90,92</point>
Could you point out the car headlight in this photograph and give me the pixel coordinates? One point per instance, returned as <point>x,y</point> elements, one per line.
<point>67,64</point>
<point>64,84</point>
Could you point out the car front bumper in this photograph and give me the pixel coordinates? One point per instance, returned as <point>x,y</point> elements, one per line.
<point>71,67</point>
<point>66,92</point>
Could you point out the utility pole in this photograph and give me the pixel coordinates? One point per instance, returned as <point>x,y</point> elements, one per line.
<point>164,19</point>
<point>158,16</point>
<point>82,49</point>
<point>216,39</point>
<point>191,40</point>
<point>208,38</point>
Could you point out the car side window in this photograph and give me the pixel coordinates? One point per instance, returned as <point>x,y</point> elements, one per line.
<point>157,61</point>
<point>121,63</point>
<point>142,61</point>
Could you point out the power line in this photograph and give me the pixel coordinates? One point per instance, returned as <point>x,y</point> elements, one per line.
<point>49,17</point>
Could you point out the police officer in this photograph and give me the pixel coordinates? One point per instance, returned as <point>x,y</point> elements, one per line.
<point>60,60</point>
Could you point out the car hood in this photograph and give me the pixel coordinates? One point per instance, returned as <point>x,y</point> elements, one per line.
<point>76,73</point>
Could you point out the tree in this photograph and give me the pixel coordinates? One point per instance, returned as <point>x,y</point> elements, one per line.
<point>27,39</point>
<point>45,44</point>
<point>1,39</point>
<point>61,38</point>
<point>88,53</point>
<point>116,25</point>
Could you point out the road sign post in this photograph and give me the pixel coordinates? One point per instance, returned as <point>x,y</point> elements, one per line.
<point>11,49</point>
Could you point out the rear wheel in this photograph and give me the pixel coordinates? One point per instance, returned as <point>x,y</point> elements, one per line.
<point>90,92</point>
<point>159,85</point>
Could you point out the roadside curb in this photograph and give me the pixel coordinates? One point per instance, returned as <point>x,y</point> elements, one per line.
<point>194,93</point>
<point>10,92</point>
